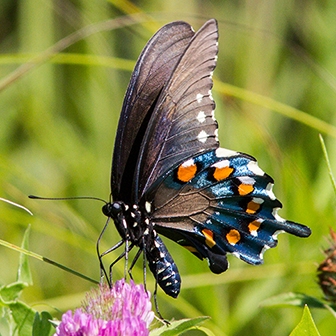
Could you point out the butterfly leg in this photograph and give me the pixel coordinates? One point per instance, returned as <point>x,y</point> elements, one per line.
<point>122,255</point>
<point>156,303</point>
<point>100,257</point>
<point>102,268</point>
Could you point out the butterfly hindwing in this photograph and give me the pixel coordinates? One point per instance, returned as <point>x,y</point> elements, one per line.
<point>221,202</point>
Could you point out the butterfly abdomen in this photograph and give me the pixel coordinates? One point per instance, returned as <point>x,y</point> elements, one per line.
<point>163,267</point>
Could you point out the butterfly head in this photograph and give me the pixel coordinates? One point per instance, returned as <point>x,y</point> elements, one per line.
<point>114,210</point>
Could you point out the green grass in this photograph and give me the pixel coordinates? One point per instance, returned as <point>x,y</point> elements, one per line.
<point>60,100</point>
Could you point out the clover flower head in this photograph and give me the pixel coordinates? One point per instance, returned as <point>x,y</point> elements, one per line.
<point>123,310</point>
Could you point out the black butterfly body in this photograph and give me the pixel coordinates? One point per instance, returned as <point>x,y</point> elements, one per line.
<point>169,175</point>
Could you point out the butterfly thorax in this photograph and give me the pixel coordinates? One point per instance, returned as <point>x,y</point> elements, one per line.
<point>132,223</point>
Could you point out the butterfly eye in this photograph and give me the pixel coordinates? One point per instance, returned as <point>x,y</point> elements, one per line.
<point>113,209</point>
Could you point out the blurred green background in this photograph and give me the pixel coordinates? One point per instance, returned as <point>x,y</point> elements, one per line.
<point>58,121</point>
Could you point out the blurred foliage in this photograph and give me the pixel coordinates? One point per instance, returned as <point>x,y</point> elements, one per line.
<point>60,100</point>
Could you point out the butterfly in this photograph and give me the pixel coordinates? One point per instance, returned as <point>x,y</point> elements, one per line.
<point>169,175</point>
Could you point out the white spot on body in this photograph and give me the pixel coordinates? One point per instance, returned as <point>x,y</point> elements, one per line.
<point>201,117</point>
<point>160,270</point>
<point>202,136</point>
<point>166,277</point>
<point>148,206</point>
<point>236,254</point>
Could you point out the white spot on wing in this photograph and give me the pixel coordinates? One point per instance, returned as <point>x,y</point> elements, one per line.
<point>276,233</point>
<point>264,249</point>
<point>199,97</point>
<point>257,200</point>
<point>223,152</point>
<point>202,136</point>
<point>201,117</point>
<point>253,166</point>
<point>188,163</point>
<point>276,216</point>
<point>254,233</point>
<point>270,192</point>
<point>246,180</point>
<point>236,254</point>
<point>216,134</point>
<point>213,115</point>
<point>221,164</point>
<point>210,94</point>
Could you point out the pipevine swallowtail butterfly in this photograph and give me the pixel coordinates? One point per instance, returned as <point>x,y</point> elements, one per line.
<point>169,175</point>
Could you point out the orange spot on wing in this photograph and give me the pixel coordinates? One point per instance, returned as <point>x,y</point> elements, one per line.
<point>252,207</point>
<point>209,237</point>
<point>233,237</point>
<point>254,226</point>
<point>222,173</point>
<point>186,173</point>
<point>245,189</point>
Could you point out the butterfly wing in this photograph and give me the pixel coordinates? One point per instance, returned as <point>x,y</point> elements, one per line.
<point>182,123</point>
<point>152,70</point>
<point>221,202</point>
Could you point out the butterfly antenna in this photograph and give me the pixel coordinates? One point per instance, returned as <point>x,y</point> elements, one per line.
<point>66,198</point>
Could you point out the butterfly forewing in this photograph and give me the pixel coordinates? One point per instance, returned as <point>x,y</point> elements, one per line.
<point>183,123</point>
<point>152,71</point>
